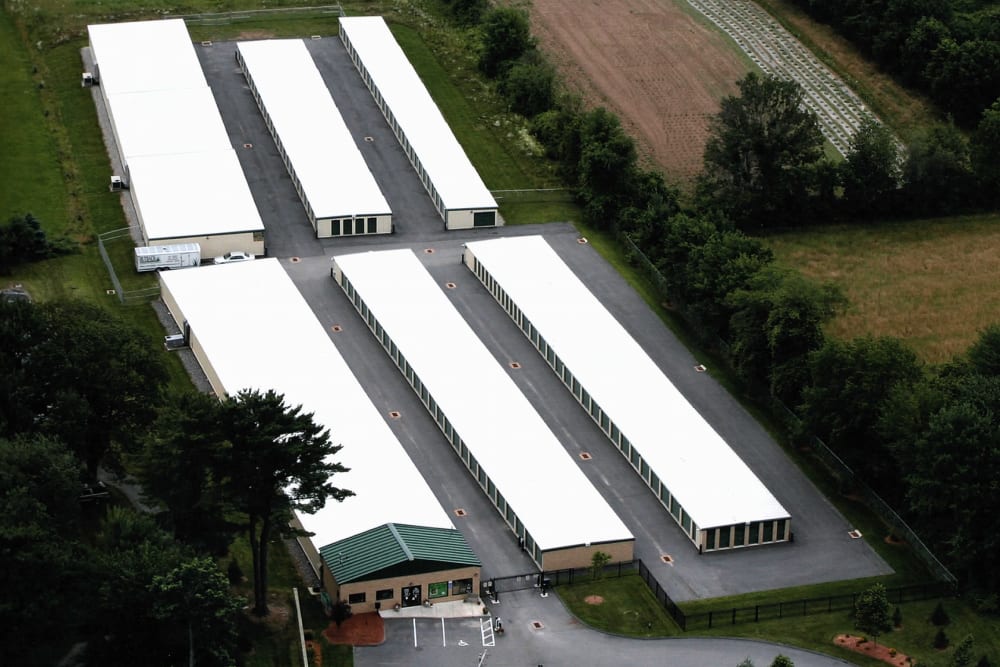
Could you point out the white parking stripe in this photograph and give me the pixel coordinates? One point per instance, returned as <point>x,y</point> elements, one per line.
<point>443,642</point>
<point>414,633</point>
<point>486,627</point>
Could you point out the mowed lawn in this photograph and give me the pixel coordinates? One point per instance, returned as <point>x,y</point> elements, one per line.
<point>29,170</point>
<point>932,283</point>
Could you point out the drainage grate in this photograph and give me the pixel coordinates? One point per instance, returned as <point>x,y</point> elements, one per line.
<point>294,260</point>
<point>207,43</point>
<point>450,285</point>
<point>700,368</point>
<point>370,139</point>
<point>537,625</point>
<point>316,37</point>
<point>429,251</point>
<point>515,365</point>
<point>585,456</point>
<point>460,512</point>
<point>667,558</point>
<point>855,534</point>
<point>248,145</point>
<point>109,292</point>
<point>394,414</point>
<point>336,328</point>
<point>581,240</point>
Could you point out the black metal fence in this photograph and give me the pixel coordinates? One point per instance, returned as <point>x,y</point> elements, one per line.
<point>722,616</point>
<point>661,595</point>
<point>520,582</point>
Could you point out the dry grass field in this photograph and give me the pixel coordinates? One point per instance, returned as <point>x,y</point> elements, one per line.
<point>931,283</point>
<point>649,61</point>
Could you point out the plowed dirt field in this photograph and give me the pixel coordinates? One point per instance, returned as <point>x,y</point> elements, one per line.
<point>661,71</point>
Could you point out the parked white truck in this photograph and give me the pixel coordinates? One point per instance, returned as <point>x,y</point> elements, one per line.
<point>163,257</point>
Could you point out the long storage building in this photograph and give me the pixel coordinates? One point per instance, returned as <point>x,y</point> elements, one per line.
<point>333,181</point>
<point>522,467</point>
<point>163,113</point>
<point>391,543</point>
<point>454,185</point>
<point>704,485</point>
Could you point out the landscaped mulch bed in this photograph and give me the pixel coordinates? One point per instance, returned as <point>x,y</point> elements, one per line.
<point>869,648</point>
<point>359,630</point>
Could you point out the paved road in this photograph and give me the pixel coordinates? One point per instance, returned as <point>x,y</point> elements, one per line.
<point>541,632</point>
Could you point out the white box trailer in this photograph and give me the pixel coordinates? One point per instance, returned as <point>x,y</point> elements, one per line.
<point>163,257</point>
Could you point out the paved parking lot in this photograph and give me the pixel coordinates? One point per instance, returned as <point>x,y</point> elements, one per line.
<point>822,550</point>
<point>540,631</point>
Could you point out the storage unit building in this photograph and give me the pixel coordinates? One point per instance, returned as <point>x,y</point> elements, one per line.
<point>452,182</point>
<point>250,328</point>
<point>336,187</point>
<point>165,122</point>
<point>520,464</point>
<point>142,56</point>
<point>196,198</point>
<point>704,485</point>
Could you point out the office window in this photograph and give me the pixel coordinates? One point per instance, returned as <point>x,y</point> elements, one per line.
<point>356,598</point>
<point>437,590</point>
<point>384,594</point>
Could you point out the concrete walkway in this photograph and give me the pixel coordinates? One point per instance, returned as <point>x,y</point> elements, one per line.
<point>453,609</point>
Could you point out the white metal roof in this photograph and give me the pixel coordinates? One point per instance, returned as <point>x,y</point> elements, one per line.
<point>167,121</point>
<point>259,333</point>
<point>334,176</point>
<point>193,194</point>
<point>709,479</point>
<point>145,55</point>
<point>447,165</point>
<point>540,481</point>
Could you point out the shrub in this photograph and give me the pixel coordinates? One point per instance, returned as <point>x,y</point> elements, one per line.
<point>941,639</point>
<point>897,618</point>
<point>984,662</point>
<point>529,87</point>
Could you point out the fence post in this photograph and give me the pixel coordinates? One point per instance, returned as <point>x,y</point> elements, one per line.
<point>733,622</point>
<point>710,620</point>
<point>756,613</point>
<point>780,610</point>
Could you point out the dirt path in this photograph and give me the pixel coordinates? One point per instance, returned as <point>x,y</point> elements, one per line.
<point>651,63</point>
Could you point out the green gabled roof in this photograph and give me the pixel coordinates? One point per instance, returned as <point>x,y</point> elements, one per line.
<point>396,548</point>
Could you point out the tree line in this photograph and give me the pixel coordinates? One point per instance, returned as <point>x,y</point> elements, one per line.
<point>83,391</point>
<point>950,49</point>
<point>925,437</point>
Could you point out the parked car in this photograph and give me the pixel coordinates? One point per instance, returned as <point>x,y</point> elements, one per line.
<point>234,256</point>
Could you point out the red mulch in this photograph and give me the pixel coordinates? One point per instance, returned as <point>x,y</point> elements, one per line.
<point>358,630</point>
<point>880,652</point>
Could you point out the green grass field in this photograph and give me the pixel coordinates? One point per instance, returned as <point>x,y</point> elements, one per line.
<point>622,605</point>
<point>931,283</point>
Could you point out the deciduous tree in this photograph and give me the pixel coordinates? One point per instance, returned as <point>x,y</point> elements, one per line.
<point>195,597</point>
<point>871,173</point>
<point>94,381</point>
<point>849,384</point>
<point>506,37</point>
<point>761,150</point>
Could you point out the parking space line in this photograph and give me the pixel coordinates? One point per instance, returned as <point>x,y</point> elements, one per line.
<point>443,642</point>
<point>414,633</point>
<point>486,628</point>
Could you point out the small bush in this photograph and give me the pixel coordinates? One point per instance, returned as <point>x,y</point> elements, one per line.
<point>939,616</point>
<point>984,662</point>
<point>941,639</point>
<point>897,618</point>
